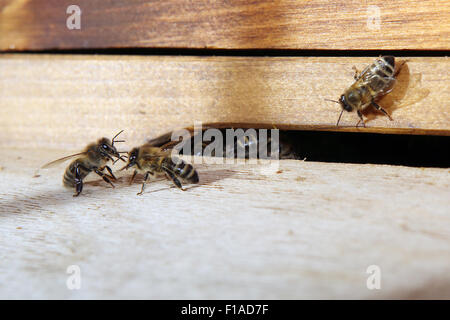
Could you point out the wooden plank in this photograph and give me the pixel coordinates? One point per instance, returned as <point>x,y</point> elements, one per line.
<point>313,233</point>
<point>239,24</point>
<point>64,101</point>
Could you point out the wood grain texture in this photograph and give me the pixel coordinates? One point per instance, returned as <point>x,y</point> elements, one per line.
<point>65,101</point>
<point>239,24</point>
<point>288,230</point>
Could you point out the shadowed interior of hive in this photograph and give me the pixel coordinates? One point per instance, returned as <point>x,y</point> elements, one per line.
<point>328,146</point>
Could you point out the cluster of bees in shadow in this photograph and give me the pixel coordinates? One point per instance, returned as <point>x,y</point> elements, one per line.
<point>155,157</point>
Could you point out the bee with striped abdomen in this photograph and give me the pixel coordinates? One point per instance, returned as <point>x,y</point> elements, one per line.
<point>94,158</point>
<point>373,82</point>
<point>156,161</point>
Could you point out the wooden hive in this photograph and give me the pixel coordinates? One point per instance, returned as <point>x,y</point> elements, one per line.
<point>299,229</point>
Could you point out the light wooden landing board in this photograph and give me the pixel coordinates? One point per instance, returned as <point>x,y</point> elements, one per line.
<point>65,101</point>
<point>302,230</point>
<point>237,24</point>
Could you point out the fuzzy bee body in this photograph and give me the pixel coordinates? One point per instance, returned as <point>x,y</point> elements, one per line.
<point>71,172</point>
<point>156,162</point>
<point>373,82</point>
<point>93,158</point>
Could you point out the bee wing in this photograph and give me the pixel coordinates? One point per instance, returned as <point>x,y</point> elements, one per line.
<point>164,141</point>
<point>386,90</point>
<point>160,141</point>
<point>58,161</point>
<point>415,91</point>
<point>169,145</point>
<point>158,154</point>
<point>362,73</point>
<point>369,78</point>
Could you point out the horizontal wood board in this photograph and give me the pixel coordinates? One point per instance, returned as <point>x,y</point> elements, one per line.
<point>65,101</point>
<point>286,230</point>
<point>239,24</point>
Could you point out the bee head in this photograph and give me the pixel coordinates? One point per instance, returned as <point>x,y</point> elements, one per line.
<point>132,156</point>
<point>106,148</point>
<point>348,101</point>
<point>345,104</point>
<point>132,159</point>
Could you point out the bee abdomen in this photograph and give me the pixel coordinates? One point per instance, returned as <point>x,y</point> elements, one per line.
<point>389,61</point>
<point>382,71</point>
<point>69,174</point>
<point>185,171</point>
<point>383,67</point>
<point>69,178</point>
<point>192,177</point>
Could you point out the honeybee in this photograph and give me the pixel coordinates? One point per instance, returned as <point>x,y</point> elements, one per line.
<point>94,158</point>
<point>155,161</point>
<point>373,82</point>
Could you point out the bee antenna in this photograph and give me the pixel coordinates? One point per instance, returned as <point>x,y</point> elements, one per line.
<point>337,124</point>
<point>331,100</point>
<point>121,158</point>
<point>113,139</point>
<point>124,167</point>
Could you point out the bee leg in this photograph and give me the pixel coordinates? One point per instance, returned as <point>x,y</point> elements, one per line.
<point>143,183</point>
<point>174,179</point>
<point>382,110</point>
<point>78,181</point>
<point>107,175</point>
<point>357,73</point>
<point>119,158</point>
<point>360,118</point>
<point>104,177</point>
<point>110,172</point>
<point>133,176</point>
<point>110,158</point>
